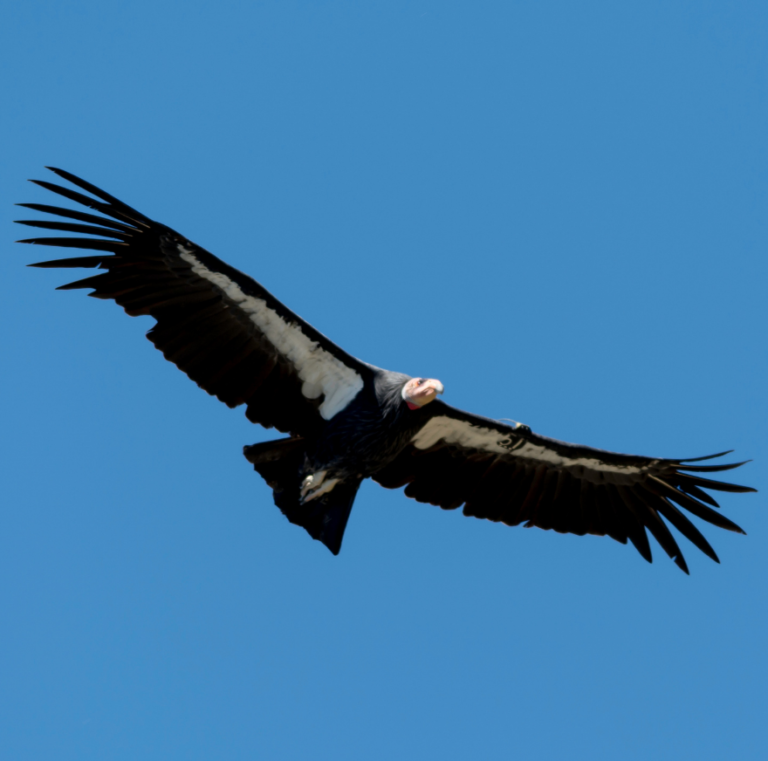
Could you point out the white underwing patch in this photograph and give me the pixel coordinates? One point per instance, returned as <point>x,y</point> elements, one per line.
<point>463,434</point>
<point>322,373</point>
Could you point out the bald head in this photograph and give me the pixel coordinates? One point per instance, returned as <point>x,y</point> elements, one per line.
<point>420,391</point>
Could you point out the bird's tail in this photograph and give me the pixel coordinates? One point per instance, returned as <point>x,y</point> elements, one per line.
<point>280,464</point>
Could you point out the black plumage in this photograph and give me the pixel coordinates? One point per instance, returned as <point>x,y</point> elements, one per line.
<point>348,420</point>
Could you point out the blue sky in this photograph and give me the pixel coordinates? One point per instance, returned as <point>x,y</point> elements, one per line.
<point>558,209</point>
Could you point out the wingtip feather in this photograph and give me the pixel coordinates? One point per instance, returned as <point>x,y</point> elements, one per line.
<point>707,457</point>
<point>682,565</point>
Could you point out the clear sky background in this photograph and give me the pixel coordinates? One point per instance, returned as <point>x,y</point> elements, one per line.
<point>557,208</point>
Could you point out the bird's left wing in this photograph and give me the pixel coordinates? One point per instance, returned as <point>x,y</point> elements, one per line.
<point>510,474</point>
<point>223,329</point>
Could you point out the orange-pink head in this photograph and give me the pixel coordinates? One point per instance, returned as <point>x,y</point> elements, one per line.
<point>420,391</point>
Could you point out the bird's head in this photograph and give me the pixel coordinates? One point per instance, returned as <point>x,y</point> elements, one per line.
<point>420,391</point>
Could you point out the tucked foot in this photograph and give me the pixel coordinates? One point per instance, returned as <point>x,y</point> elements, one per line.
<point>318,490</point>
<point>312,481</point>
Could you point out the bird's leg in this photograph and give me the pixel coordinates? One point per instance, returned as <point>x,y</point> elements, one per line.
<point>312,481</point>
<point>315,485</point>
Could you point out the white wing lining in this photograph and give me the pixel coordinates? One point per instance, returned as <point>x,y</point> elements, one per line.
<point>321,372</point>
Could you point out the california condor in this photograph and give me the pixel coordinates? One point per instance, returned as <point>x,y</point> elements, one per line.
<point>347,420</point>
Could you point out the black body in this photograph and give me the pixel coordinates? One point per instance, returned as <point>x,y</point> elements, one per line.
<point>356,444</point>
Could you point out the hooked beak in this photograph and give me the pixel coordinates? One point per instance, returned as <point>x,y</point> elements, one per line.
<point>418,392</point>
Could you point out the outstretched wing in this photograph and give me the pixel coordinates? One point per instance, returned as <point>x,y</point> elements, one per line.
<point>223,329</point>
<point>509,474</point>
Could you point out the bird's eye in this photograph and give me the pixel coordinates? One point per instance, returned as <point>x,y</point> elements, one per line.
<point>420,381</point>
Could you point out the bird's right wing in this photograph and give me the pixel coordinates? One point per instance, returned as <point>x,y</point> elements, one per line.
<point>223,329</point>
<point>510,474</point>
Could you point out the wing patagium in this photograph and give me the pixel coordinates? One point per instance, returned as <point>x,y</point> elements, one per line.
<point>226,331</point>
<point>512,475</point>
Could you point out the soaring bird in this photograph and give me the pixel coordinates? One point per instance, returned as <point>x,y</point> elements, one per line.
<point>348,420</point>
